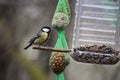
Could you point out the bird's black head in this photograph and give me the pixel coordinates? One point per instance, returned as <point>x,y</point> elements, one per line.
<point>46,29</point>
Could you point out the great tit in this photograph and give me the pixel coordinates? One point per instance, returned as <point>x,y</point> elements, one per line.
<point>40,38</point>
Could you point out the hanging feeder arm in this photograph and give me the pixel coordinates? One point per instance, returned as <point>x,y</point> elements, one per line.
<point>51,49</point>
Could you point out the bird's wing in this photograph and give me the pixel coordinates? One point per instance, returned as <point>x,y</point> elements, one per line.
<point>34,38</point>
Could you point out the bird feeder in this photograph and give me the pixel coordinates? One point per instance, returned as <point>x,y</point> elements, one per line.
<point>97,25</point>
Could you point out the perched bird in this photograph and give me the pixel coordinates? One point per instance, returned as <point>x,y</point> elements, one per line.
<point>40,38</point>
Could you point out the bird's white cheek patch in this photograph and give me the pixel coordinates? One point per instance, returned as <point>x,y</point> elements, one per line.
<point>45,29</point>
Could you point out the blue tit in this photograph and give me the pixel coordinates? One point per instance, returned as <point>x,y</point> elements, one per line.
<point>40,38</point>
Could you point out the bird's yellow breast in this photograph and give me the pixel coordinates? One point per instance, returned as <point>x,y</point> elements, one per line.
<point>43,37</point>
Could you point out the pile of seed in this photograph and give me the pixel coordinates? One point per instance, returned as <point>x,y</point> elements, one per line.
<point>96,54</point>
<point>99,49</point>
<point>57,62</point>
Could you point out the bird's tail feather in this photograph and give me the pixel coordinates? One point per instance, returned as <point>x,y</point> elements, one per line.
<point>27,46</point>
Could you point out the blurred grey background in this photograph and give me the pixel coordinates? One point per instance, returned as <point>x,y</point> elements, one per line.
<point>22,19</point>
